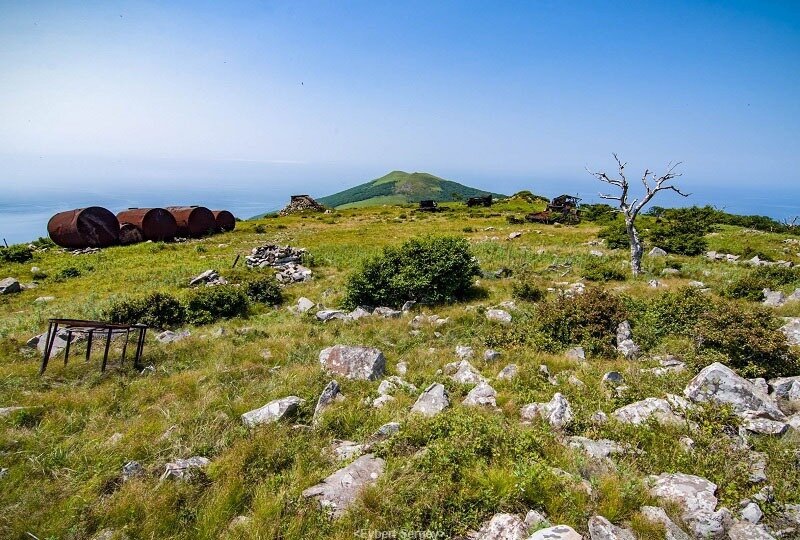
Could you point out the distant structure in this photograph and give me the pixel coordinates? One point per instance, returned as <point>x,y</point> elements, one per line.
<point>486,200</point>
<point>301,203</point>
<point>562,209</point>
<point>428,205</point>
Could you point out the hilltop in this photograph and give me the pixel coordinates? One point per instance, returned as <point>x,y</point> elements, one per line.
<point>400,187</point>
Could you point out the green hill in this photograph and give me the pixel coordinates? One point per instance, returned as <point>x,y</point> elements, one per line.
<point>399,187</point>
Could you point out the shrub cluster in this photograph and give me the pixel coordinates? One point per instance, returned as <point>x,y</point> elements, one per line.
<point>524,289</point>
<point>16,253</point>
<point>597,270</point>
<point>751,285</point>
<point>263,290</point>
<point>430,270</point>
<point>615,234</point>
<point>157,310</point>
<point>208,304</point>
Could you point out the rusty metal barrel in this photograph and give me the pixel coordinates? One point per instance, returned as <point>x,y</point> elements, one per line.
<point>225,220</point>
<point>156,224</point>
<point>130,234</point>
<point>93,226</point>
<point>193,220</point>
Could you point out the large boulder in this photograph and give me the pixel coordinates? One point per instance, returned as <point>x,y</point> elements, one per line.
<point>463,372</point>
<point>659,515</point>
<point>339,490</point>
<point>625,343</point>
<point>602,529</point>
<point>557,411</point>
<point>9,286</point>
<point>697,500</point>
<point>482,395</point>
<point>719,384</point>
<point>353,362</point>
<point>272,411</point>
<point>744,530</point>
<point>432,401</point>
<point>792,330</point>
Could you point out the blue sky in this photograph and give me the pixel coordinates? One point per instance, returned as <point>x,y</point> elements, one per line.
<point>326,94</point>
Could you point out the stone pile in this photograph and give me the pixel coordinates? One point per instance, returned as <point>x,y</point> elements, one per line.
<point>84,251</point>
<point>284,259</point>
<point>301,203</point>
<point>209,278</point>
<point>755,261</point>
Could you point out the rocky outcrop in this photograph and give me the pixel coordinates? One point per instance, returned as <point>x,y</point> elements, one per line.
<point>641,411</point>
<point>482,395</point>
<point>602,529</point>
<point>432,401</point>
<point>353,362</point>
<point>697,500</point>
<point>272,411</point>
<point>10,285</point>
<point>339,490</point>
<point>557,412</point>
<point>299,204</point>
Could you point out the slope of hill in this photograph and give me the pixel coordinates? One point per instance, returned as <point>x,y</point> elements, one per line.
<point>399,187</point>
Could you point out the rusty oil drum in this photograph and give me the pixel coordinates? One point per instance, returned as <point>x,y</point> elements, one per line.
<point>193,220</point>
<point>225,220</point>
<point>156,224</point>
<point>93,226</point>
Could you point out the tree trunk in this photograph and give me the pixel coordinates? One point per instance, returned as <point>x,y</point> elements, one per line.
<point>636,248</point>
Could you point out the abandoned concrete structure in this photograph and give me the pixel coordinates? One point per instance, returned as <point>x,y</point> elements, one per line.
<point>301,203</point>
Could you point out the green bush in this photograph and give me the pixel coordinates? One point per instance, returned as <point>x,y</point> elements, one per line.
<point>259,229</point>
<point>157,310</point>
<point>208,304</point>
<point>264,290</point>
<point>680,235</point>
<point>16,253</point>
<point>68,272</point>
<point>749,339</point>
<point>673,313</point>
<point>430,270</point>
<point>526,290</point>
<point>616,235</point>
<point>589,319</point>
<point>751,286</point>
<point>602,214</point>
<point>597,270</point>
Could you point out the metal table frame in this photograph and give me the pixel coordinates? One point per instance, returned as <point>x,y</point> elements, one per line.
<point>90,328</point>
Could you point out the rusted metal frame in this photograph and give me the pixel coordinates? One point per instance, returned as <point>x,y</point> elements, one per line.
<point>139,346</point>
<point>66,350</point>
<point>89,336</point>
<point>52,329</point>
<point>124,347</point>
<point>105,353</point>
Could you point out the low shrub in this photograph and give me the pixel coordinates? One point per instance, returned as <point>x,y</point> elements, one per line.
<point>615,234</point>
<point>259,229</point>
<point>430,270</point>
<point>528,291</point>
<point>602,214</point>
<point>679,237</point>
<point>68,272</point>
<point>43,243</point>
<point>751,286</point>
<point>208,304</point>
<point>264,290</point>
<point>597,270</point>
<point>673,313</point>
<point>16,253</point>
<point>748,338</point>
<point>157,310</point>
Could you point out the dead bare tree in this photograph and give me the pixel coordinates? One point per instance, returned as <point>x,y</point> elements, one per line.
<point>630,209</point>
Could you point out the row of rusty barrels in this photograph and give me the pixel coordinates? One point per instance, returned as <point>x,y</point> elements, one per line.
<point>96,226</point>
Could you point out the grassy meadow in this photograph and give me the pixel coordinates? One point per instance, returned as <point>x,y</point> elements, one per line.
<point>65,451</point>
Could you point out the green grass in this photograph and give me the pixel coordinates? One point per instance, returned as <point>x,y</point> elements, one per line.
<point>65,457</point>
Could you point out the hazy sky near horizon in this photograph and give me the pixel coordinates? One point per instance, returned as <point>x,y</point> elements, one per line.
<point>218,91</point>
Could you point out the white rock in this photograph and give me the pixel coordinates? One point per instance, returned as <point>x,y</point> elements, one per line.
<point>272,411</point>
<point>625,343</point>
<point>719,384</point>
<point>353,362</point>
<point>557,411</point>
<point>792,330</point>
<point>752,513</point>
<point>498,315</point>
<point>641,411</point>
<point>184,469</point>
<point>602,529</point>
<point>774,298</point>
<point>559,532</point>
<point>432,401</point>
<point>463,372</point>
<point>482,395</point>
<point>9,286</point>
<point>339,490</point>
<point>576,353</point>
<point>358,313</point>
<point>464,352</point>
<point>503,527</point>
<point>326,315</point>
<point>657,252</point>
<point>401,368</point>
<point>490,355</point>
<point>169,336</point>
<point>332,392</point>
<point>597,449</point>
<point>658,515</point>
<point>380,401</point>
<point>508,372</point>
<point>304,304</point>
<point>534,519</point>
<point>696,498</point>
<point>344,450</point>
<point>744,530</point>
<point>387,313</point>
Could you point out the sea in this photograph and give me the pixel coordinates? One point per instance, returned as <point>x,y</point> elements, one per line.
<point>24,213</point>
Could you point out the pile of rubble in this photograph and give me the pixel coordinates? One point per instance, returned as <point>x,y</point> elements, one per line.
<point>208,278</point>
<point>755,261</point>
<point>285,259</point>
<point>301,203</point>
<point>84,251</point>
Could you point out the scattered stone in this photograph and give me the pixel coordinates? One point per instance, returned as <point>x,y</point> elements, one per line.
<point>284,259</point>
<point>208,278</point>
<point>667,272</point>
<point>184,469</point>
<point>387,313</point>
<point>613,378</point>
<point>384,432</point>
<point>659,515</point>
<point>272,411</point>
<point>432,401</point>
<point>697,285</point>
<point>131,469</point>
<point>463,372</point>
<point>326,315</point>
<point>380,401</point>
<point>304,305</point>
<point>498,315</point>
<point>575,381</point>
<point>59,343</point>
<point>719,384</point>
<point>332,392</point>
<point>786,388</point>
<point>774,298</point>
<point>559,532</point>
<point>641,411</point>
<point>695,496</point>
<point>596,253</point>
<point>598,449</point>
<point>168,336</point>
<point>490,355</point>
<point>752,513</point>
<point>758,467</point>
<point>502,527</point>
<point>482,395</point>
<point>515,234</point>
<point>670,364</point>
<point>464,352</point>
<point>792,330</point>
<point>407,306</point>
<point>655,284</point>
<point>339,490</point>
<point>687,443</point>
<point>744,530</point>
<point>3,472</point>
<point>754,422</point>
<point>353,362</point>
<point>401,368</point>
<point>576,353</point>
<point>344,450</point>
<point>599,417</point>
<point>602,529</point>
<point>557,412</point>
<point>657,252</point>
<point>625,344</point>
<point>9,286</point>
<point>44,299</point>
<point>534,520</point>
<point>508,372</point>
